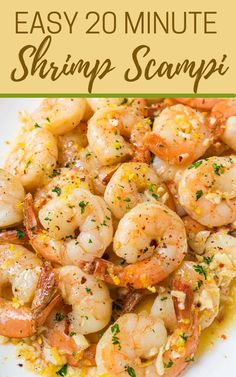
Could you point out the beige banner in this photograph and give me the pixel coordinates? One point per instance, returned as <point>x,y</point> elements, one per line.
<point>117,47</point>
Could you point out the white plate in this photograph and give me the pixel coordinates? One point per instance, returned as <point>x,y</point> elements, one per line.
<point>218,361</point>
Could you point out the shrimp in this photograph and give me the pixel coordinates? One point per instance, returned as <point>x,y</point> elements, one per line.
<point>100,175</point>
<point>98,103</point>
<point>60,115</point>
<point>137,337</point>
<point>33,158</point>
<point>204,104</point>
<point>207,191</point>
<point>152,239</point>
<point>224,115</point>
<point>70,145</point>
<point>66,180</point>
<point>206,292</point>
<point>56,335</point>
<point>170,174</point>
<point>220,251</point>
<point>108,130</point>
<point>12,195</point>
<point>197,234</point>
<point>56,237</point>
<point>90,300</point>
<point>180,135</point>
<point>30,283</point>
<point>133,183</point>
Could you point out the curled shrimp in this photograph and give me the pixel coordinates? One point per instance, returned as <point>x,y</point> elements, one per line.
<point>133,183</point>
<point>60,115</point>
<point>180,135</point>
<point>150,237</point>
<point>32,287</point>
<point>138,104</point>
<point>56,236</point>
<point>108,130</point>
<point>75,348</point>
<point>204,104</point>
<point>70,145</point>
<point>90,300</point>
<point>207,191</point>
<point>137,344</point>
<point>12,195</point>
<point>33,158</point>
<point>223,115</point>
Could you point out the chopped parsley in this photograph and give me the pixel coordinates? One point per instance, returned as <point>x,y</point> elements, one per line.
<point>48,120</point>
<point>59,317</point>
<point>184,336</point>
<point>200,270</point>
<point>169,364</point>
<point>195,165</point>
<point>82,205</point>
<point>88,290</point>
<point>198,194</point>
<point>130,371</point>
<point>115,329</point>
<point>218,169</point>
<point>36,125</point>
<point>72,333</point>
<point>164,298</point>
<point>55,173</point>
<point>208,259</point>
<point>189,359</point>
<point>20,234</point>
<point>63,371</point>
<point>57,190</point>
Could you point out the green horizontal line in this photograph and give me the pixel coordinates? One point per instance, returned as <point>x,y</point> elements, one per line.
<point>114,95</point>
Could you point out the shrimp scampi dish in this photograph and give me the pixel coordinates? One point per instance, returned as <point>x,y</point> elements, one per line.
<point>118,234</point>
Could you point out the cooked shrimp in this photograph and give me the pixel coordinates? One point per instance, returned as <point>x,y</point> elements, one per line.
<point>207,191</point>
<point>30,284</point>
<point>170,174</point>
<point>100,175</point>
<point>60,115</point>
<point>90,300</point>
<point>73,346</point>
<point>133,183</point>
<point>138,104</point>
<point>205,104</point>
<point>62,181</point>
<point>163,307</point>
<point>33,157</point>
<point>71,144</point>
<point>152,239</point>
<point>206,291</point>
<point>220,250</point>
<point>180,135</point>
<point>56,237</point>
<point>137,337</point>
<point>12,195</point>
<point>123,346</point>
<point>197,234</point>
<point>224,115</point>
<point>108,130</point>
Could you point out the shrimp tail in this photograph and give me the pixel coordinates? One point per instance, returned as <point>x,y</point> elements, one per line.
<point>14,236</point>
<point>30,217</point>
<point>188,327</point>
<point>46,295</point>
